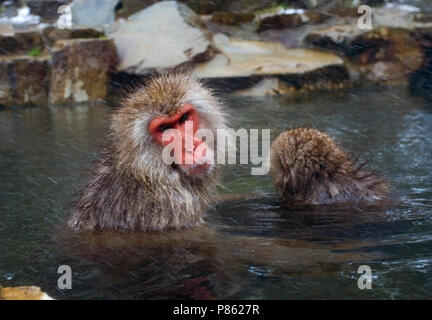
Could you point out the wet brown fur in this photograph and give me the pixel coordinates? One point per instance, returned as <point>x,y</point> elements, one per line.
<point>130,187</point>
<point>311,169</point>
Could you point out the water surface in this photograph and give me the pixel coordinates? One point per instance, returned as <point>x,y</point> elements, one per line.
<point>253,248</point>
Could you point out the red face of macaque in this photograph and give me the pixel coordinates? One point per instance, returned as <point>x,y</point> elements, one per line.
<point>195,155</point>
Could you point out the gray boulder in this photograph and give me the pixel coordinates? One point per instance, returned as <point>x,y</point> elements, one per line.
<point>165,34</point>
<point>95,13</point>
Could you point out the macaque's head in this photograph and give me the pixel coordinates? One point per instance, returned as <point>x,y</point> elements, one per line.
<point>301,155</point>
<point>167,127</point>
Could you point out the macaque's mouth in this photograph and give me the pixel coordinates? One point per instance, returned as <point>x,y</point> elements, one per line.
<point>197,169</point>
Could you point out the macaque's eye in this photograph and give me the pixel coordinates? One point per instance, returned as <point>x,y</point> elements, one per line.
<point>184,117</point>
<point>164,127</point>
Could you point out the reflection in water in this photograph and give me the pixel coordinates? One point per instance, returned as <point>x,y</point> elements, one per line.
<point>201,263</point>
<point>249,248</point>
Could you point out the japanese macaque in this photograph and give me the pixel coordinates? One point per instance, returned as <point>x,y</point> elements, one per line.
<point>132,187</point>
<point>311,169</point>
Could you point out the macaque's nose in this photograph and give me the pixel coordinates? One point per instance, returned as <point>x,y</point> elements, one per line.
<point>190,144</point>
<point>196,143</point>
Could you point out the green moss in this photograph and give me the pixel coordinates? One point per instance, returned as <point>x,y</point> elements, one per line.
<point>102,37</point>
<point>35,52</point>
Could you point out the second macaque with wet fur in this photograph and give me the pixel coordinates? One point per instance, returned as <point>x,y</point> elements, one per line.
<point>310,168</point>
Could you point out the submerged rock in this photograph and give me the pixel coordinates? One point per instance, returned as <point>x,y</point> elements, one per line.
<point>24,80</point>
<point>80,70</point>
<point>23,293</point>
<point>165,34</point>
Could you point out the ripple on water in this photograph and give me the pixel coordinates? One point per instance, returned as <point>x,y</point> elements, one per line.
<point>251,248</point>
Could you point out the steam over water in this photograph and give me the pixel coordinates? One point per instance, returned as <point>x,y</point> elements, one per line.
<point>253,248</point>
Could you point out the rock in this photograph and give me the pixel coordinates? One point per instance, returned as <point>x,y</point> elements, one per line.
<point>394,16</point>
<point>210,6</point>
<point>373,3</point>
<point>165,34</point>
<point>335,38</point>
<point>289,18</point>
<point>380,55</point>
<point>280,21</point>
<point>314,17</point>
<point>424,17</point>
<point>342,11</point>
<point>6,29</point>
<point>52,34</point>
<point>421,80</point>
<point>383,54</point>
<point>233,19</point>
<point>24,20</point>
<point>80,70</point>
<point>23,293</point>
<point>311,3</point>
<point>46,9</point>
<point>241,60</point>
<point>265,87</point>
<point>24,80</point>
<point>8,9</point>
<point>129,7</point>
<point>204,7</point>
<point>94,14</point>
<point>327,78</point>
<point>388,55</point>
<point>261,5</point>
<point>21,43</point>
<point>340,37</point>
<point>247,58</point>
